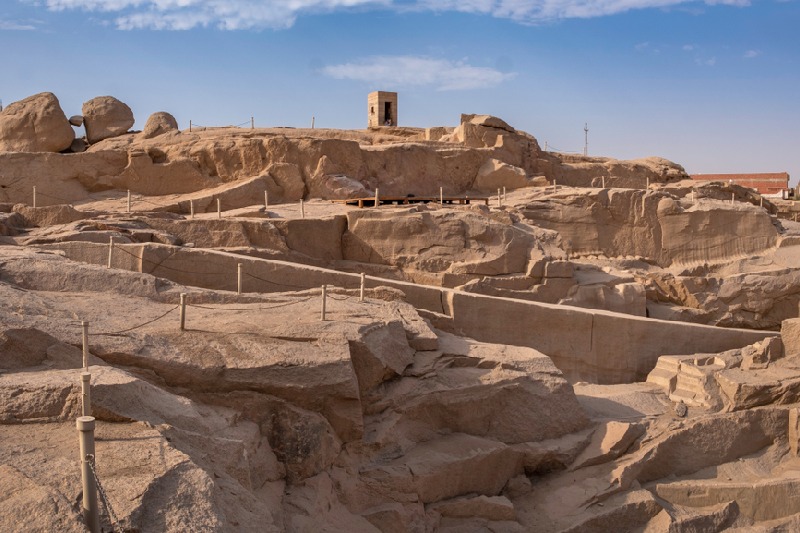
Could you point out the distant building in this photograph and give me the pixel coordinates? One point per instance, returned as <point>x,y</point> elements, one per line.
<point>764,183</point>
<point>382,108</point>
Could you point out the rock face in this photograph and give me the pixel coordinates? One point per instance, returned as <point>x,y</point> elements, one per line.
<point>158,124</point>
<point>628,222</point>
<point>105,117</point>
<point>489,378</point>
<point>378,412</point>
<point>35,124</point>
<point>495,174</point>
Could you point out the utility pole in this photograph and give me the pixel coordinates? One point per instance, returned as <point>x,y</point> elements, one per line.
<point>586,139</point>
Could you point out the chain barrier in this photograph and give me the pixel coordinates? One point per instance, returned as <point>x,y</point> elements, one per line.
<point>110,514</point>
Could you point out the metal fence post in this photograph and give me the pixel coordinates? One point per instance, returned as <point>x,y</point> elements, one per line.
<point>183,311</point>
<point>91,514</point>
<point>86,394</point>
<point>110,250</point>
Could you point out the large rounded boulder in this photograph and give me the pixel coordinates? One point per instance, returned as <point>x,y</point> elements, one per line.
<point>159,124</point>
<point>35,124</point>
<point>105,117</point>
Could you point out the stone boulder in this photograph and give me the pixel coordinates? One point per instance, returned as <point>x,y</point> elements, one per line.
<point>78,146</point>
<point>159,124</point>
<point>35,124</point>
<point>105,117</point>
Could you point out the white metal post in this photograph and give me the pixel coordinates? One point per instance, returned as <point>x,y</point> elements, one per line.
<point>219,208</point>
<point>238,278</point>
<point>363,282</point>
<point>324,298</point>
<point>302,209</point>
<point>85,327</point>
<point>129,200</point>
<point>34,196</point>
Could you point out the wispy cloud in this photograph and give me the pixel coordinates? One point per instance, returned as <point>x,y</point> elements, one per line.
<point>706,62</point>
<point>247,14</point>
<point>750,54</point>
<point>687,47</point>
<point>10,25</point>
<point>410,71</point>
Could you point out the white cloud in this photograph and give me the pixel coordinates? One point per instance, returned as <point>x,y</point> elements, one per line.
<point>245,14</point>
<point>410,71</point>
<point>688,47</point>
<point>750,54</point>
<point>533,11</point>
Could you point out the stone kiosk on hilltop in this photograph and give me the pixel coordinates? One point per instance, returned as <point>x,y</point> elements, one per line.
<point>382,109</point>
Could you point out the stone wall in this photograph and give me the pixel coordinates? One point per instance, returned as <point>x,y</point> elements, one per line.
<point>587,345</point>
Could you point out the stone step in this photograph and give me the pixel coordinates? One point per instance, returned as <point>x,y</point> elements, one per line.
<point>666,370</point>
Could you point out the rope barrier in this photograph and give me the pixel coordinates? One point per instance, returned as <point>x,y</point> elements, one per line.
<point>122,332</point>
<point>552,148</point>
<point>118,246</point>
<point>286,304</point>
<point>291,285</point>
<point>245,123</point>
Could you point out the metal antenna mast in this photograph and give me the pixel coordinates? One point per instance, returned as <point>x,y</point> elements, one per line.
<point>586,139</point>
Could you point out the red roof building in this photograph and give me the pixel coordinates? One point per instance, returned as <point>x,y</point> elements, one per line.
<point>764,183</point>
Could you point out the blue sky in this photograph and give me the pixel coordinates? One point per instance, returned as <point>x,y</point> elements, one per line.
<point>711,85</point>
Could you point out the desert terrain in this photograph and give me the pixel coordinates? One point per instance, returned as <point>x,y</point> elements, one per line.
<point>543,342</point>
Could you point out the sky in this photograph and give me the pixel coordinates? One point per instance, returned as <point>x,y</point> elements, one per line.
<point>709,84</point>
